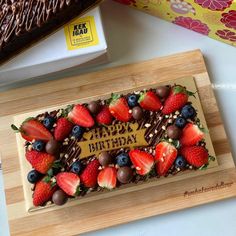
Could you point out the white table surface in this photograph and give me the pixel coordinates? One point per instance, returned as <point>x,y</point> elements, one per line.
<point>134,36</point>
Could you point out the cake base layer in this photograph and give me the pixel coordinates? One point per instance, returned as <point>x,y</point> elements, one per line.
<point>175,193</point>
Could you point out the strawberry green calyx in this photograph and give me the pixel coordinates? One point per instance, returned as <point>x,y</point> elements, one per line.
<point>19,130</point>
<point>201,127</point>
<point>15,129</point>
<point>142,96</point>
<point>78,190</point>
<point>114,98</point>
<point>173,142</point>
<point>180,89</point>
<point>50,180</point>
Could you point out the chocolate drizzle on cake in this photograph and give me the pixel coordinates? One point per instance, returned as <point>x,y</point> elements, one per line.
<point>22,21</point>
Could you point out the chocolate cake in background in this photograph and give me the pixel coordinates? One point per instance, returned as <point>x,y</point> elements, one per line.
<point>23,22</point>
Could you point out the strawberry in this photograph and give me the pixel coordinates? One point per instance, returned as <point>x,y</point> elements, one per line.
<point>150,101</point>
<point>195,155</point>
<point>33,129</point>
<point>69,182</point>
<point>81,116</point>
<point>40,161</point>
<point>176,100</point>
<point>43,192</point>
<point>142,161</point>
<point>104,116</point>
<point>165,156</point>
<point>191,135</point>
<point>63,129</point>
<point>90,174</point>
<point>119,108</point>
<point>107,178</point>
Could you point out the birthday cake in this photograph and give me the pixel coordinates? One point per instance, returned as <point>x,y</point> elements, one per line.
<point>107,143</point>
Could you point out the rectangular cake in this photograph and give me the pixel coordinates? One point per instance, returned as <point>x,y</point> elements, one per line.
<point>24,22</point>
<point>103,145</point>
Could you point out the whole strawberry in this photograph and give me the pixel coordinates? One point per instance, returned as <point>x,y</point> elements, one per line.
<point>119,108</point>
<point>63,129</point>
<point>195,155</point>
<point>104,116</point>
<point>33,129</point>
<point>69,182</point>
<point>81,116</point>
<point>149,101</point>
<point>43,192</point>
<point>191,135</point>
<point>40,161</point>
<point>176,100</point>
<point>89,175</point>
<point>165,156</point>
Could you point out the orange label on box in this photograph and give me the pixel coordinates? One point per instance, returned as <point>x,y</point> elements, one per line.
<point>81,33</point>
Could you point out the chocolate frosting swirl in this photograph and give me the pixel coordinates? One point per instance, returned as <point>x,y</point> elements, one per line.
<point>20,16</point>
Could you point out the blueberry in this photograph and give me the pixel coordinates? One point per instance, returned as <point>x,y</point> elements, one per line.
<point>48,122</point>
<point>123,159</point>
<point>133,100</point>
<point>180,162</point>
<point>180,122</point>
<point>38,145</point>
<point>33,176</point>
<point>77,131</point>
<point>188,112</point>
<point>76,167</point>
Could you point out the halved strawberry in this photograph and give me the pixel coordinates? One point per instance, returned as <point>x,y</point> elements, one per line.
<point>40,161</point>
<point>142,161</point>
<point>69,182</point>
<point>107,178</point>
<point>191,135</point>
<point>195,155</point>
<point>165,156</point>
<point>176,100</point>
<point>63,129</point>
<point>90,174</point>
<point>104,116</point>
<point>81,116</point>
<point>33,129</point>
<point>149,101</point>
<point>43,192</point>
<point>119,108</point>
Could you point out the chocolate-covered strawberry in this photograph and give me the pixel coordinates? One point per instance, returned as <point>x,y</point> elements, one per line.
<point>119,108</point>
<point>149,101</point>
<point>81,116</point>
<point>32,129</point>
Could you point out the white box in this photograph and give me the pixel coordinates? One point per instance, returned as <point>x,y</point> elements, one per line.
<point>52,54</point>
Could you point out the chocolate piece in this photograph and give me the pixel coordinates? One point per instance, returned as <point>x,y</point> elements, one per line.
<point>52,147</point>
<point>25,21</point>
<point>104,158</point>
<point>94,107</point>
<point>137,113</point>
<point>59,197</point>
<point>173,132</point>
<point>125,174</point>
<point>163,91</point>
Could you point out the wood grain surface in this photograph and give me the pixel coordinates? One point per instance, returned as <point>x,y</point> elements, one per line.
<point>180,192</point>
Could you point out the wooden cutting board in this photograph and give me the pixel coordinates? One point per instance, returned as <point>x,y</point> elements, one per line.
<point>217,183</point>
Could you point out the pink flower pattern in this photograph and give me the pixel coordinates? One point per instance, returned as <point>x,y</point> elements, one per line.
<point>227,34</point>
<point>214,5</point>
<point>229,19</point>
<point>195,25</point>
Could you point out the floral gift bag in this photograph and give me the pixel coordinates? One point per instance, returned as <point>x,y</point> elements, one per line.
<point>214,18</point>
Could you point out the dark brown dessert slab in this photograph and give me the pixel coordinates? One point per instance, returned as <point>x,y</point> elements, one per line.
<point>25,22</point>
